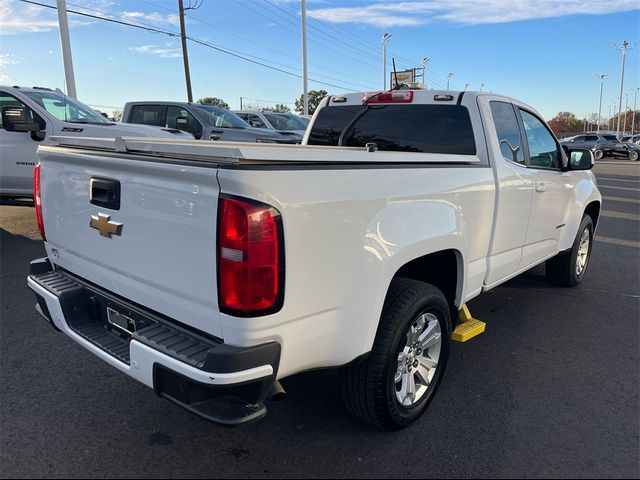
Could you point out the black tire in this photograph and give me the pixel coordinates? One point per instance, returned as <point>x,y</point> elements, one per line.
<point>633,155</point>
<point>598,153</point>
<point>368,386</point>
<point>562,269</point>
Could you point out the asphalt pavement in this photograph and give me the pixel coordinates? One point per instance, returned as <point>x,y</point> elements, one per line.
<point>550,390</point>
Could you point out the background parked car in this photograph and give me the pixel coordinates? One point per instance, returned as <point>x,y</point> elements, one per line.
<point>30,116</point>
<point>283,123</point>
<point>204,122</point>
<point>629,150</point>
<point>589,141</point>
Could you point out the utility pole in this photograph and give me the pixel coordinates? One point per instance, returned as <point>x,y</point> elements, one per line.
<point>633,121</point>
<point>385,40</point>
<point>185,55</point>
<point>240,103</point>
<point>466,85</point>
<point>70,79</point>
<point>482,85</point>
<point>449,77</point>
<point>623,48</point>
<point>609,119</point>
<point>305,80</point>
<point>601,77</point>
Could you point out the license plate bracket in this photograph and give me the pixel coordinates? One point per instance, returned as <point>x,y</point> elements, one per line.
<point>120,321</point>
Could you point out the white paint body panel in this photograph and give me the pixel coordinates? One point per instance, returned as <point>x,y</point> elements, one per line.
<point>348,229</point>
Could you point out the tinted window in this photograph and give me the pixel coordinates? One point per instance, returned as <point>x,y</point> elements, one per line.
<point>610,137</point>
<point>149,115</point>
<point>579,139</point>
<point>191,125</point>
<point>254,121</point>
<point>591,138</point>
<point>543,151</point>
<point>403,128</point>
<point>66,108</point>
<point>508,131</point>
<point>7,100</point>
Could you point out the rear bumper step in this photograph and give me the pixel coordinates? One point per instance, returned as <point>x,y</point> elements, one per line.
<point>218,382</point>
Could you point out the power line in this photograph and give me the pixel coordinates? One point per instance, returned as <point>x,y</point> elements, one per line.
<point>196,40</point>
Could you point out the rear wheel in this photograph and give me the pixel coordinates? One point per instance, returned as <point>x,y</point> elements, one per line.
<point>567,269</point>
<point>394,385</point>
<point>633,155</point>
<point>598,153</point>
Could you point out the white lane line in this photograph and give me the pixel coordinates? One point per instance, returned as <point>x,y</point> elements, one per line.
<point>629,189</point>
<point>622,199</point>
<point>617,241</point>
<point>625,216</point>
<point>617,179</point>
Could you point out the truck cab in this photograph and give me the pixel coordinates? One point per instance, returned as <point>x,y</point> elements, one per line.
<point>47,113</point>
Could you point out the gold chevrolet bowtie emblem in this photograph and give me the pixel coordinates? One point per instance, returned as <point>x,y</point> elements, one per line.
<point>105,226</point>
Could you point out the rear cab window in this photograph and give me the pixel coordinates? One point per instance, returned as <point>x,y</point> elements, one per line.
<point>444,129</point>
<point>149,115</point>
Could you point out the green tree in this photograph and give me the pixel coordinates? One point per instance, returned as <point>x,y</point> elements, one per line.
<point>214,101</point>
<point>315,96</point>
<point>280,108</point>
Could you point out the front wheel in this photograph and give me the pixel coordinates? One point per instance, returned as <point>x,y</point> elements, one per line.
<point>393,386</point>
<point>598,153</point>
<point>633,155</point>
<point>567,269</point>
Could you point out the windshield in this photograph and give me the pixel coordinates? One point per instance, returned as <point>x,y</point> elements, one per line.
<point>282,121</point>
<point>221,117</point>
<point>66,108</point>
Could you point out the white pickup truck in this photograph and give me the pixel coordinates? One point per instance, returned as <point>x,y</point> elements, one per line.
<point>211,271</point>
<point>29,117</point>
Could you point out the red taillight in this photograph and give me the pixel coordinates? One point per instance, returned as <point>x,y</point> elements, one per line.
<point>250,257</point>
<point>37,200</point>
<point>394,96</point>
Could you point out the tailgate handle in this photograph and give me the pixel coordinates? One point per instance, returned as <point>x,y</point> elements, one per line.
<point>104,192</point>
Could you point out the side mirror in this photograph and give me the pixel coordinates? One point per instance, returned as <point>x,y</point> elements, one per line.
<point>16,119</point>
<point>580,159</point>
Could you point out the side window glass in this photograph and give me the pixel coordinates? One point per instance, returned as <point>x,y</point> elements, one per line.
<point>7,100</point>
<point>148,114</point>
<point>543,150</point>
<point>579,139</point>
<point>592,138</point>
<point>255,121</point>
<point>508,131</point>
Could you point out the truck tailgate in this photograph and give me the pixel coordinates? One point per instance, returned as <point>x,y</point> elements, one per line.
<point>165,255</point>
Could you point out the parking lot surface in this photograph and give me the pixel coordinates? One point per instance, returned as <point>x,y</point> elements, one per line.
<point>550,390</point>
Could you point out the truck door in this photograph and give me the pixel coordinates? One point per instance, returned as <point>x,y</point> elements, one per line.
<point>17,153</point>
<point>514,184</point>
<point>552,190</point>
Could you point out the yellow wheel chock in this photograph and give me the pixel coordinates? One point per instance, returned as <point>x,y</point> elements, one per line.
<point>468,327</point>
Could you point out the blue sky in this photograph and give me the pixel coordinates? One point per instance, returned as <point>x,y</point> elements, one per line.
<point>543,52</point>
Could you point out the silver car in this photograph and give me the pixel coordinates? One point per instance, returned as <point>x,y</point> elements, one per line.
<point>281,122</point>
<point>205,122</point>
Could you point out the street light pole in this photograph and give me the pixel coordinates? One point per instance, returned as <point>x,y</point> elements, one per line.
<point>609,119</point>
<point>466,85</point>
<point>305,84</point>
<point>623,48</point>
<point>626,109</point>
<point>482,85</point>
<point>601,77</point>
<point>633,121</point>
<point>449,77</point>
<point>385,40</point>
<point>423,64</point>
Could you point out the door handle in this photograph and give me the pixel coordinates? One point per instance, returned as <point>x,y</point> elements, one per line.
<point>541,187</point>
